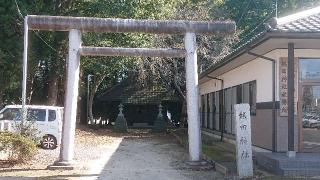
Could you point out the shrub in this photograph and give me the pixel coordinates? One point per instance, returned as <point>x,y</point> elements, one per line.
<point>28,129</point>
<point>19,148</point>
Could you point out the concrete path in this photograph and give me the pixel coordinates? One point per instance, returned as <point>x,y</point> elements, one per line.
<point>311,140</point>
<point>151,158</point>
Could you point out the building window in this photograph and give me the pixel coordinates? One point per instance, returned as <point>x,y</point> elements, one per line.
<point>208,111</point>
<point>217,114</point>
<point>221,110</point>
<point>213,108</point>
<point>249,95</point>
<point>239,94</point>
<point>202,111</point>
<point>228,110</point>
<point>219,106</point>
<point>205,111</point>
<point>309,69</point>
<point>252,97</point>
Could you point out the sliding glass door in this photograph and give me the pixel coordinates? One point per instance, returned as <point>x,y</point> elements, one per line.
<point>309,105</point>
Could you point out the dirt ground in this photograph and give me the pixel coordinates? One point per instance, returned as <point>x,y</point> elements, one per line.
<point>157,157</point>
<point>103,154</point>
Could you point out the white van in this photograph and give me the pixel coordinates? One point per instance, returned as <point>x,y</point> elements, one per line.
<point>46,119</point>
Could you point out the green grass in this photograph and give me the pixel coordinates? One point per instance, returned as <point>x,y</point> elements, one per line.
<point>217,153</point>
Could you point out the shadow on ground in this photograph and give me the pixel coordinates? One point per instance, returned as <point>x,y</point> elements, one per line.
<point>151,156</point>
<point>60,177</point>
<point>138,154</point>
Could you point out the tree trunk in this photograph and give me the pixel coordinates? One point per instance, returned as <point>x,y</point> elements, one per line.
<point>184,114</point>
<point>57,69</point>
<point>1,99</point>
<point>178,89</point>
<point>33,75</point>
<point>29,98</point>
<point>97,81</point>
<point>53,89</point>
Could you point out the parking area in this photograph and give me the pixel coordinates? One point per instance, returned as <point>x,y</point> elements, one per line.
<point>311,137</point>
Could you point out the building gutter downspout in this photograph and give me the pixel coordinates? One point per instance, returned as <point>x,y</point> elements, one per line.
<point>274,117</point>
<point>222,104</point>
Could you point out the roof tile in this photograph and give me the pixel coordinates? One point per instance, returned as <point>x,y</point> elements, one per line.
<point>307,24</point>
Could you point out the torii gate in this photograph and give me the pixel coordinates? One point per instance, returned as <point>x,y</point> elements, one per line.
<point>76,25</point>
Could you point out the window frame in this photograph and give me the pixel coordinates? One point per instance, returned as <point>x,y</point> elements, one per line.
<point>300,60</point>
<point>253,98</point>
<point>237,93</point>
<point>39,110</point>
<point>55,115</point>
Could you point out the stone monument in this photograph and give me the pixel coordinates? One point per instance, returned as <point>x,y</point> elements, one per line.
<point>121,123</point>
<point>159,124</point>
<point>243,140</point>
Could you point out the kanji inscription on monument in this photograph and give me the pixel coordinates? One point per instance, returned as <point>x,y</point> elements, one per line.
<point>243,140</point>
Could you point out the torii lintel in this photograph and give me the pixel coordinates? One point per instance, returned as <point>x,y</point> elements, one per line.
<point>91,24</point>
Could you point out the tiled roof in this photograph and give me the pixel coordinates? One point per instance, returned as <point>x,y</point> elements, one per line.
<point>130,92</point>
<point>300,24</point>
<point>303,22</point>
<point>306,24</point>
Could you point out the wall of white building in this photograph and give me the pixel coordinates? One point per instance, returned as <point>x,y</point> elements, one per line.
<point>257,69</point>
<point>261,71</point>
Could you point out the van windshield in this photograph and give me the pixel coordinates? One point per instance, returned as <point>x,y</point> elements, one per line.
<point>32,114</point>
<point>11,114</point>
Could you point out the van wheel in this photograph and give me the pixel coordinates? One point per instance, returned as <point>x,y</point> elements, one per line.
<point>49,142</point>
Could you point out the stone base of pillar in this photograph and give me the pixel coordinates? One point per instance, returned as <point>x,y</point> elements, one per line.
<point>62,165</point>
<point>291,154</point>
<point>199,165</point>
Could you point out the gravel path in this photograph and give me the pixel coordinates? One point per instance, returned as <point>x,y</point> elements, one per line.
<point>151,158</point>
<point>90,146</point>
<point>102,154</point>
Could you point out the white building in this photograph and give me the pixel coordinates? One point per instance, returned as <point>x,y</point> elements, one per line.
<point>257,73</point>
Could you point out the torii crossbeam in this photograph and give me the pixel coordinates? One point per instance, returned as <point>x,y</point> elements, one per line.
<point>77,25</point>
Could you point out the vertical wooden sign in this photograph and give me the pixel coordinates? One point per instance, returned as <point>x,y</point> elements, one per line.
<point>283,90</point>
<point>243,140</point>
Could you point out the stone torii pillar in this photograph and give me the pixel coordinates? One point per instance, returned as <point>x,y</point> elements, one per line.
<point>76,25</point>
<point>192,87</point>
<point>71,100</point>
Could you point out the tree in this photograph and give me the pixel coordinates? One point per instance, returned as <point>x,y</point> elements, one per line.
<point>109,70</point>
<point>171,72</point>
<point>251,15</point>
<point>48,50</point>
<point>12,13</point>
<point>10,52</point>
